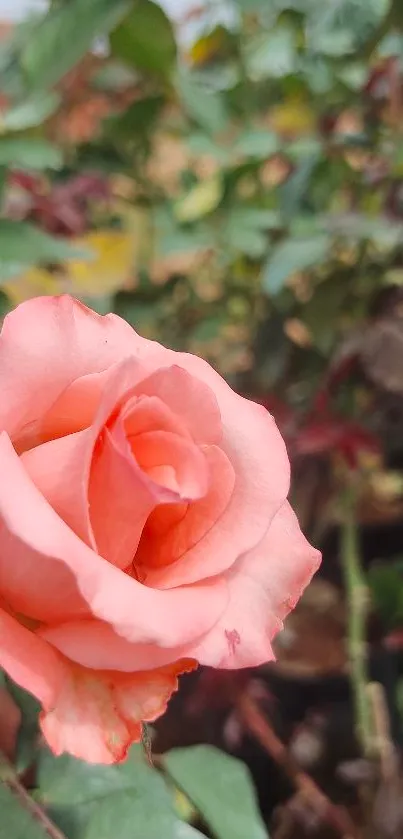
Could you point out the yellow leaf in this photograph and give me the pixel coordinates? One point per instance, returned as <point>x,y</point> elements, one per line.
<point>113,265</point>
<point>111,268</point>
<point>201,200</point>
<point>32,283</point>
<point>293,119</point>
<point>208,46</point>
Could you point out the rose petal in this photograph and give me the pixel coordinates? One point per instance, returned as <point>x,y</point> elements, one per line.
<point>141,615</point>
<point>155,449</point>
<point>93,716</point>
<point>98,716</point>
<point>170,555</point>
<point>188,398</point>
<point>60,470</point>
<point>47,343</point>
<point>30,661</point>
<point>95,644</point>
<point>107,497</point>
<point>264,586</point>
<point>121,498</point>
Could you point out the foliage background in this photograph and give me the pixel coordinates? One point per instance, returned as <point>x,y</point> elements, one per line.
<point>240,197</point>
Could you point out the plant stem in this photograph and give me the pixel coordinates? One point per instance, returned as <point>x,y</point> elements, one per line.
<point>9,778</point>
<point>357,603</point>
<point>332,814</point>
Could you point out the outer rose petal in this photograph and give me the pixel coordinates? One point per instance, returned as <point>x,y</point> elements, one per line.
<point>93,716</point>
<point>39,539</point>
<point>95,644</point>
<point>264,585</point>
<point>48,342</point>
<point>99,715</point>
<point>30,661</point>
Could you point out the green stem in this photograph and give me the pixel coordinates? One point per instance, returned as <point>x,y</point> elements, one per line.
<point>357,602</point>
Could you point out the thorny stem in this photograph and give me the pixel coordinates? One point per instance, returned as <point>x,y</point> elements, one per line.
<point>335,816</point>
<point>9,778</point>
<point>357,603</point>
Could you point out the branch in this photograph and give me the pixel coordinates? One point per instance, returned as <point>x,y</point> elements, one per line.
<point>9,778</point>
<point>335,816</point>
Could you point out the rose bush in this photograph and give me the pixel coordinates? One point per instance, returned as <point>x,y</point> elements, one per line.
<point>144,526</point>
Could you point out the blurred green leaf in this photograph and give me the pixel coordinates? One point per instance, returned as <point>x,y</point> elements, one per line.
<point>246,229</point>
<point>22,244</point>
<point>322,311</point>
<point>63,36</point>
<point>29,153</point>
<point>201,200</point>
<point>28,733</point>
<point>127,800</point>
<point>257,143</point>
<point>221,789</point>
<point>272,55</point>
<point>16,821</point>
<point>145,39</point>
<point>386,585</point>
<point>293,255</point>
<point>206,107</point>
<point>138,120</point>
<point>294,191</point>
<point>30,113</point>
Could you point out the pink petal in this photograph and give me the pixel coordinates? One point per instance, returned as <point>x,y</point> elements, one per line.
<point>30,661</point>
<point>121,497</point>
<point>47,343</point>
<point>155,449</point>
<point>171,555</point>
<point>107,497</point>
<point>33,536</point>
<point>188,398</point>
<point>98,716</point>
<point>264,586</point>
<point>95,644</point>
<point>60,470</point>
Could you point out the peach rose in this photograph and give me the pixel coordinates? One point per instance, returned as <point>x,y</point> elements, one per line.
<point>144,526</point>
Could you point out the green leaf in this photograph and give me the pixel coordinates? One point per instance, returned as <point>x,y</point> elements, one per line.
<point>31,113</point>
<point>272,55</point>
<point>293,192</point>
<point>22,244</point>
<point>204,106</point>
<point>29,730</point>
<point>322,311</point>
<point>245,229</point>
<point>201,200</point>
<point>145,39</point>
<point>221,789</point>
<point>29,153</point>
<point>17,822</point>
<point>138,120</point>
<point>128,800</point>
<point>293,255</point>
<point>257,143</point>
<point>386,584</point>
<point>63,36</point>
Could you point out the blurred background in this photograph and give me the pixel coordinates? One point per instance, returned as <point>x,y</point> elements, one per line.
<point>228,177</point>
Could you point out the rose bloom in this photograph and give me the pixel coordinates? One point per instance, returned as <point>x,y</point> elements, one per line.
<point>144,526</point>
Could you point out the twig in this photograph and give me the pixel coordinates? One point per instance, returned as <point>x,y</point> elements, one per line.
<point>383,745</point>
<point>358,603</point>
<point>9,778</point>
<point>335,816</point>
